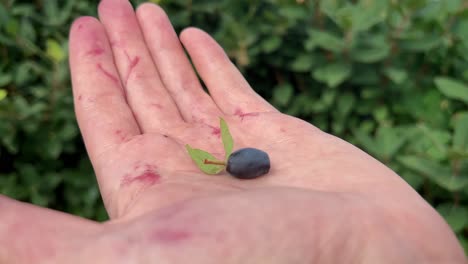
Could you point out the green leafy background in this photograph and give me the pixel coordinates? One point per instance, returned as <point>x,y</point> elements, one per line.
<point>389,76</point>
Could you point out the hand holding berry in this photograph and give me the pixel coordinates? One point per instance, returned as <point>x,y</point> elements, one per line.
<point>139,102</point>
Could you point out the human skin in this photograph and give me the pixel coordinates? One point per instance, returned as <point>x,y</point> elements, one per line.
<point>138,102</point>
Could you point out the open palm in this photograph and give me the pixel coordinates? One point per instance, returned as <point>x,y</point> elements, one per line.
<point>139,102</point>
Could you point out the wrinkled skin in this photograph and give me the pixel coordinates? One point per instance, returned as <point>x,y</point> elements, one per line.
<point>138,102</point>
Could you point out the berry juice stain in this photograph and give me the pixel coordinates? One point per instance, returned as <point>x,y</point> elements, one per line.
<point>169,236</point>
<point>132,64</point>
<point>146,178</point>
<point>241,114</point>
<point>108,74</point>
<point>122,136</point>
<point>95,52</point>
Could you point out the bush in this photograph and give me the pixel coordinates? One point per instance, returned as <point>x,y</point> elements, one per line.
<point>389,76</point>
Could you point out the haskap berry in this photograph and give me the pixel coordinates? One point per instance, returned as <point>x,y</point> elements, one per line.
<point>248,163</point>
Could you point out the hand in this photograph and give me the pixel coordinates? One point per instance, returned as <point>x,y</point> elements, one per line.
<point>138,102</point>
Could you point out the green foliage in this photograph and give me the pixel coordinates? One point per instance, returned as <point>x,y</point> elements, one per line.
<point>42,157</point>
<point>389,76</point>
<point>226,136</point>
<point>3,94</point>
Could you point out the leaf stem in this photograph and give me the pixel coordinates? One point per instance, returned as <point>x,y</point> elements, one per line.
<point>214,162</point>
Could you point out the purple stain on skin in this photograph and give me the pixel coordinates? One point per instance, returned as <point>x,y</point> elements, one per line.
<point>132,63</point>
<point>108,74</point>
<point>215,131</point>
<point>95,52</point>
<point>241,114</point>
<point>169,236</point>
<point>123,137</point>
<point>148,177</point>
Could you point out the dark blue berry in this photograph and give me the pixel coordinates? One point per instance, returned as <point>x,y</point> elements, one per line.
<point>248,163</point>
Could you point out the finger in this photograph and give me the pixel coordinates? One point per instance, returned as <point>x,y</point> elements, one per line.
<point>103,115</point>
<point>227,86</point>
<point>174,67</point>
<point>153,106</point>
<point>29,234</point>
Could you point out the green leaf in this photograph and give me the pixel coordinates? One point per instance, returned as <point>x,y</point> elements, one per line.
<point>5,79</point>
<point>199,156</point>
<point>293,12</point>
<point>4,16</point>
<point>386,143</point>
<point>345,104</point>
<point>421,45</point>
<point>452,6</point>
<point>282,94</point>
<point>54,148</point>
<point>460,137</point>
<point>228,142</point>
<point>324,40</point>
<point>367,142</point>
<point>452,88</point>
<point>55,51</point>
<point>271,44</point>
<point>341,14</point>
<point>432,142</point>
<point>3,94</point>
<point>370,48</point>
<point>12,27</point>
<point>398,76</point>
<point>371,55</point>
<point>333,74</point>
<point>460,30</point>
<point>456,216</point>
<point>367,14</point>
<point>437,173</point>
<point>390,141</point>
<point>303,62</point>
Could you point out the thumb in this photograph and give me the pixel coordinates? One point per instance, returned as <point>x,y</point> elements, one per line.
<point>30,234</point>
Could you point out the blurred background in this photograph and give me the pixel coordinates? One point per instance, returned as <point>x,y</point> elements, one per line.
<point>390,76</point>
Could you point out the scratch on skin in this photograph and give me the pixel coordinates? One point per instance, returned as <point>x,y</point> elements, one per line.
<point>215,131</point>
<point>123,137</point>
<point>108,74</point>
<point>241,114</point>
<point>158,106</point>
<point>133,62</point>
<point>147,178</point>
<point>95,52</point>
<point>169,236</point>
